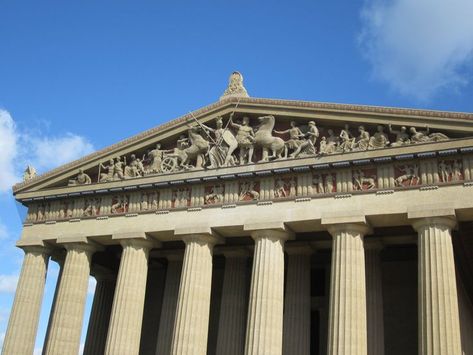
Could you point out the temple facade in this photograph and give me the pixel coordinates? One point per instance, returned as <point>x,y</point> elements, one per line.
<point>259,227</point>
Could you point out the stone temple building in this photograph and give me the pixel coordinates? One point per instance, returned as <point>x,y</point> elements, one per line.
<point>260,227</point>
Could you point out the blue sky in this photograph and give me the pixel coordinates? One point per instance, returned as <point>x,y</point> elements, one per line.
<point>78,76</point>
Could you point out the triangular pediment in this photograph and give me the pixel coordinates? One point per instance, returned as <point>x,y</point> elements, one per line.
<point>173,137</point>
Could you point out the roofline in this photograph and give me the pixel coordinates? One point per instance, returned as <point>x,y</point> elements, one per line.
<point>250,100</point>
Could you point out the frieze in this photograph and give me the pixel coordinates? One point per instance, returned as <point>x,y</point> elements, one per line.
<point>285,187</point>
<point>324,183</point>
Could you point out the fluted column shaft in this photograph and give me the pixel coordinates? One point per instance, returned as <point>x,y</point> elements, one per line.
<point>124,330</point>
<point>296,339</point>
<point>23,324</point>
<point>374,300</point>
<point>168,313</point>
<point>100,313</point>
<point>233,309</point>
<point>58,257</point>
<point>265,311</point>
<point>439,324</point>
<point>193,304</point>
<point>66,323</point>
<point>347,312</point>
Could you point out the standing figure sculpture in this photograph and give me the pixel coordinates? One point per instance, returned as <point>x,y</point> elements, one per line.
<point>347,141</point>
<point>245,138</point>
<point>155,158</point>
<point>295,139</point>
<point>118,169</point>
<point>225,143</point>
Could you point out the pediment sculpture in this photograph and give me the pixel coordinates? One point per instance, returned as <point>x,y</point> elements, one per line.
<point>233,142</point>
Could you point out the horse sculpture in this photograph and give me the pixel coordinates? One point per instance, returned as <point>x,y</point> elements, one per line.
<point>197,150</point>
<point>265,139</point>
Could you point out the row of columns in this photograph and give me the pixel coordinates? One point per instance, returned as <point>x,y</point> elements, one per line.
<point>355,298</point>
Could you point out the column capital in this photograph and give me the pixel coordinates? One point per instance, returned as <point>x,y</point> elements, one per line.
<point>37,249</point>
<point>298,249</point>
<point>447,221</point>
<point>363,229</point>
<point>137,243</point>
<point>89,247</point>
<point>207,238</point>
<point>272,234</point>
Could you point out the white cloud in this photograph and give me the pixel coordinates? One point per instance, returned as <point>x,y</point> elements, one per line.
<point>22,147</point>
<point>419,47</point>
<point>8,149</point>
<point>8,283</point>
<point>3,231</point>
<point>54,151</point>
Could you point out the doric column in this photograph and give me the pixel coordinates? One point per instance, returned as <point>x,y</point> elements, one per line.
<point>58,256</point>
<point>66,323</point>
<point>265,310</point>
<point>168,313</point>
<point>347,312</point>
<point>100,313</point>
<point>439,324</point>
<point>374,299</point>
<point>124,330</point>
<point>233,307</point>
<point>296,339</point>
<point>193,304</point>
<point>23,324</point>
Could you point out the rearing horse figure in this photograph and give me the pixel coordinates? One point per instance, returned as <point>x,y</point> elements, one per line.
<point>199,146</point>
<point>265,139</point>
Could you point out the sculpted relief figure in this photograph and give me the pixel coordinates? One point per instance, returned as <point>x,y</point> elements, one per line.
<point>221,146</point>
<point>265,139</point>
<point>295,139</point>
<point>249,191</point>
<point>245,138</point>
<point>118,168</point>
<point>402,137</point>
<point>155,159</point>
<point>108,175</point>
<point>29,173</point>
<point>134,168</point>
<point>214,195</point>
<point>409,175</point>
<point>81,179</point>
<point>426,136</point>
<point>450,170</point>
<point>363,182</point>
<point>347,141</point>
<point>235,86</point>
<point>379,139</point>
<point>224,144</point>
<point>92,207</point>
